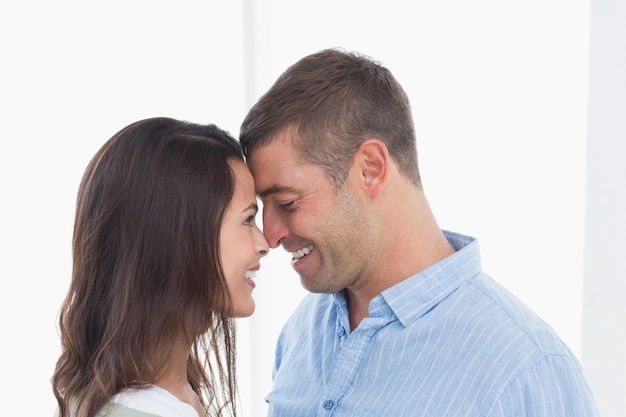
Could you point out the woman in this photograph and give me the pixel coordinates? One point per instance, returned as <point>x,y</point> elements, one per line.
<point>165,248</point>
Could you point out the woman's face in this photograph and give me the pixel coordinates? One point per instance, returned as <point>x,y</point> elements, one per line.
<point>242,244</point>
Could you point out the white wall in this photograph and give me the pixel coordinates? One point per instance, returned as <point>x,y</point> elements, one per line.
<point>604,330</point>
<point>499,91</point>
<point>73,73</point>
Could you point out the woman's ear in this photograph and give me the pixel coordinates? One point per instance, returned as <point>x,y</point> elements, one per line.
<point>372,163</point>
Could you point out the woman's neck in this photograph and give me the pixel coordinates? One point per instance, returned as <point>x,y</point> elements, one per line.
<point>175,380</point>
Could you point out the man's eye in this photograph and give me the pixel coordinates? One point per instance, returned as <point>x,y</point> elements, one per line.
<point>286,206</point>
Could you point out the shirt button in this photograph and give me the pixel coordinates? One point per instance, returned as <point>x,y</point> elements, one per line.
<point>328,404</point>
<point>342,332</point>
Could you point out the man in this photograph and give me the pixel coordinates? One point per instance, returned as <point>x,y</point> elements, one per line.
<point>401,321</point>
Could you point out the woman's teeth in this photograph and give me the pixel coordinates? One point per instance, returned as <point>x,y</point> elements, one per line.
<point>250,274</point>
<point>300,253</point>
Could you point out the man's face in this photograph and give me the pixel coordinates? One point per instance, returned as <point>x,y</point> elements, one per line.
<point>303,212</point>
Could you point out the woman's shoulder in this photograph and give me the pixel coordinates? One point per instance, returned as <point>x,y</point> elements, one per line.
<point>152,400</point>
<point>117,410</point>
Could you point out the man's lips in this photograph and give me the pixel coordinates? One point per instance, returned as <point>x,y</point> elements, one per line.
<point>301,253</point>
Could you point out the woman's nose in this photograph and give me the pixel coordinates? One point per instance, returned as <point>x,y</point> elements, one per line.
<point>262,246</point>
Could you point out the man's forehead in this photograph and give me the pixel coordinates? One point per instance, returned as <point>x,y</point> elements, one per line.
<point>273,169</point>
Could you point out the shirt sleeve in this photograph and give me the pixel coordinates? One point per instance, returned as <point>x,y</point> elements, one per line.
<point>552,387</point>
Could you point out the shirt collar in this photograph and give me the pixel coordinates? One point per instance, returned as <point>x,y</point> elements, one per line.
<point>412,298</point>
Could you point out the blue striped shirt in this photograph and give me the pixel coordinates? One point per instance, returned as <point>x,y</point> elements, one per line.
<point>448,341</point>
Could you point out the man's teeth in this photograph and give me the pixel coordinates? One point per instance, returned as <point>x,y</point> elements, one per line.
<point>250,274</point>
<point>300,253</point>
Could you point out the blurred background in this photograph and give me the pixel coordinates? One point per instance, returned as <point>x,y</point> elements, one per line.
<point>520,113</point>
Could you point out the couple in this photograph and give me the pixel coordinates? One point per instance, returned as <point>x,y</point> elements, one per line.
<point>401,320</point>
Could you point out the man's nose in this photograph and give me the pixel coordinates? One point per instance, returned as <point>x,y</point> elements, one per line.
<point>274,227</point>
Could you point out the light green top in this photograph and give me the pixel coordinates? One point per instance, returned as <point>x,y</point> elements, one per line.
<point>115,410</point>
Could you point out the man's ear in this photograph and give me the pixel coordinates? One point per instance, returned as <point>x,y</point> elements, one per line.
<point>372,163</point>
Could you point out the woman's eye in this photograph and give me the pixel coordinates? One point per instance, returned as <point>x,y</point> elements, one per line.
<point>249,220</point>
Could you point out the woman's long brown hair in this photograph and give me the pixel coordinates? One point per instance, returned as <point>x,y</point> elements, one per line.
<point>146,268</point>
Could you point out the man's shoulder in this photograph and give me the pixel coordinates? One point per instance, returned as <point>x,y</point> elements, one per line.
<point>518,317</point>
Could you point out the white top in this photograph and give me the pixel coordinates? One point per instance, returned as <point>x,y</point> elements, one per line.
<point>154,400</point>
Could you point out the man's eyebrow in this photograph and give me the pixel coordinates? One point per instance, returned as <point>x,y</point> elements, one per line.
<point>274,189</point>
